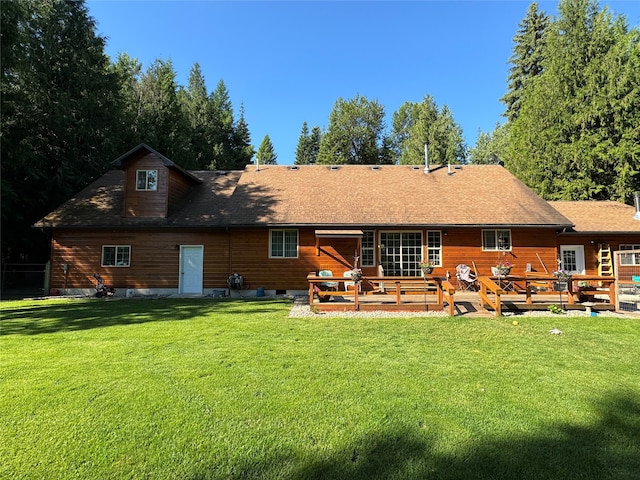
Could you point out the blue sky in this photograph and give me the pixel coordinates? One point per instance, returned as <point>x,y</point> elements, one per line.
<point>288,62</point>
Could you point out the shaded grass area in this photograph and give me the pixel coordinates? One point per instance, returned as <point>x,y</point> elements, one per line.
<point>198,389</point>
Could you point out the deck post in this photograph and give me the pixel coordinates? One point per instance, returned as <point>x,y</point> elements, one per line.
<point>356,304</point>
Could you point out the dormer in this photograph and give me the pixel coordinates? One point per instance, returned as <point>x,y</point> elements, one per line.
<point>153,184</point>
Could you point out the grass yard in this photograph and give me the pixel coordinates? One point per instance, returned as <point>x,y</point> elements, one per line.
<point>199,389</point>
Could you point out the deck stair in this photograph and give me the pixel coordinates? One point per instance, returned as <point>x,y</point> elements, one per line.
<point>605,265</point>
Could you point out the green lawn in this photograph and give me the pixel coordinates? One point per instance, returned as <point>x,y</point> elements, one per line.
<point>196,389</point>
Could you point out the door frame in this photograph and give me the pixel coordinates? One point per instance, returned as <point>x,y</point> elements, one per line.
<point>181,269</point>
<point>580,260</point>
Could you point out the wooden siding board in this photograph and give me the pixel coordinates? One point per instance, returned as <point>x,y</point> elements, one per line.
<point>140,203</point>
<point>155,256</point>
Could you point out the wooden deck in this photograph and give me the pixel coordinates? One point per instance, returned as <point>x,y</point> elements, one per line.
<point>493,297</point>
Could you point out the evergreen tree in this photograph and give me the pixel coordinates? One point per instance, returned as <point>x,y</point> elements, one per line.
<point>60,110</point>
<point>526,61</point>
<point>242,149</point>
<point>266,154</point>
<point>162,123</point>
<point>314,144</point>
<point>302,149</point>
<point>490,147</point>
<point>129,72</point>
<point>583,110</point>
<point>417,123</point>
<point>195,104</point>
<point>355,133</point>
<point>222,131</point>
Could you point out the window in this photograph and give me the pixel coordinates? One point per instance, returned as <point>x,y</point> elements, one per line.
<point>146,180</point>
<point>499,240</point>
<point>401,253</point>
<point>283,244</point>
<point>116,255</point>
<point>434,248</point>
<point>629,258</point>
<point>367,254</point>
<point>572,259</point>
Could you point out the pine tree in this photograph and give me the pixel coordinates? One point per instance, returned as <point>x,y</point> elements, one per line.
<point>583,109</point>
<point>526,61</point>
<point>302,149</point>
<point>266,154</point>
<point>195,104</point>
<point>314,144</point>
<point>60,110</point>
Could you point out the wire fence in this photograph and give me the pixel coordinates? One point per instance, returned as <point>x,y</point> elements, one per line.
<point>23,279</point>
<point>627,268</point>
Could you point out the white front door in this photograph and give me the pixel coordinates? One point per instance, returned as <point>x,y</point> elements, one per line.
<point>191,261</point>
<point>572,257</point>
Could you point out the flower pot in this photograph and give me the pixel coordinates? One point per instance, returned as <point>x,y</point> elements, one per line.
<point>427,270</point>
<point>504,271</point>
<point>356,277</point>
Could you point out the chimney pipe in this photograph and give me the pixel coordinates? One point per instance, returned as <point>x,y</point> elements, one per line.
<point>426,158</point>
<point>636,202</point>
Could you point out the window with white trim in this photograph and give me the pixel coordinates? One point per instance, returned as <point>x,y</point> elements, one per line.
<point>116,255</point>
<point>283,244</point>
<point>434,247</point>
<point>147,180</point>
<point>496,240</point>
<point>367,251</point>
<point>629,258</point>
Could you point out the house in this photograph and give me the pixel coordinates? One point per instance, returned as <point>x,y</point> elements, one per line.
<point>600,229</point>
<point>151,226</point>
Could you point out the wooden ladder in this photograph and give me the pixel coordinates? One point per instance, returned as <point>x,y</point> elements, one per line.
<point>605,265</point>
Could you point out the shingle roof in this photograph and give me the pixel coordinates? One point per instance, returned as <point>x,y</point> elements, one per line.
<point>314,195</point>
<point>358,195</point>
<point>599,216</point>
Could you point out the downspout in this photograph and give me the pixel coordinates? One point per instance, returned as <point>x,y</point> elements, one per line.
<point>636,201</point>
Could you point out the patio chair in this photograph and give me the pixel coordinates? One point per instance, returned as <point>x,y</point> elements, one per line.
<point>350,283</point>
<point>466,278</point>
<point>328,285</point>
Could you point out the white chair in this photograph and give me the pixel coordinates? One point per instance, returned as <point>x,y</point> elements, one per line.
<point>466,278</point>
<point>351,283</point>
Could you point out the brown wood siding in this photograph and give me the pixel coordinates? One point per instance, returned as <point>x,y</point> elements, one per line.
<point>464,246</point>
<point>178,187</point>
<point>140,203</point>
<point>155,257</point>
<point>592,243</point>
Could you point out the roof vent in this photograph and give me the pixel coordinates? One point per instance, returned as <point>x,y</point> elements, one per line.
<point>415,167</point>
<point>293,167</point>
<point>333,167</point>
<point>375,167</point>
<point>636,201</point>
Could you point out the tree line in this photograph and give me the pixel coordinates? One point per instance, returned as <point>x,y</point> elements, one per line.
<point>572,105</point>
<point>571,129</point>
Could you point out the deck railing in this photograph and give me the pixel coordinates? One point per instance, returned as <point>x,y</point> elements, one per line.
<point>492,289</point>
<point>443,290</point>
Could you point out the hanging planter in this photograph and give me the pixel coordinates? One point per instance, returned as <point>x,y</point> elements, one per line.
<point>426,267</point>
<point>356,275</point>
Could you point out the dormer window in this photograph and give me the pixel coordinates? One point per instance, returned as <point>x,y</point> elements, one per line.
<point>146,180</point>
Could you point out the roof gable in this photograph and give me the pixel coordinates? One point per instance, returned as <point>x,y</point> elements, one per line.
<point>143,149</point>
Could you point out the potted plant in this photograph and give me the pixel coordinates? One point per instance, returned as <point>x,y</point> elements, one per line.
<point>356,275</point>
<point>503,269</point>
<point>426,266</point>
